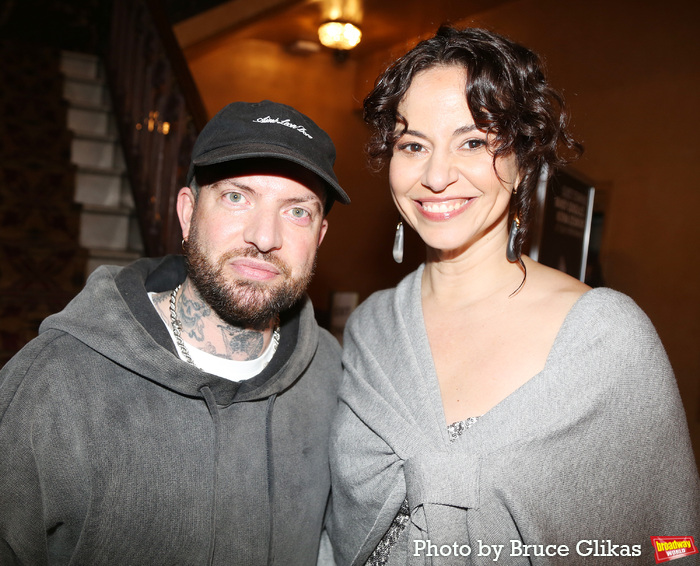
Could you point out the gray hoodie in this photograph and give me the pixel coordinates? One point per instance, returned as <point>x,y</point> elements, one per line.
<point>114,451</point>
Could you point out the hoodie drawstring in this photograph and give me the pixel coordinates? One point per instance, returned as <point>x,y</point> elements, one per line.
<point>270,475</point>
<point>214,412</point>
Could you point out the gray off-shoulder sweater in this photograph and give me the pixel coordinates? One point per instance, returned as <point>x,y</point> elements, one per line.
<point>589,458</point>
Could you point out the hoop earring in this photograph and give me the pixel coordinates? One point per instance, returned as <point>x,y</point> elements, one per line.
<point>397,252</point>
<point>511,252</point>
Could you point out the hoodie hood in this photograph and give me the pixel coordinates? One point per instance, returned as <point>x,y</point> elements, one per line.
<point>114,316</point>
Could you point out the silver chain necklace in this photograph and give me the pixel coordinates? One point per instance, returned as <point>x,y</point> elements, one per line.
<point>177,328</point>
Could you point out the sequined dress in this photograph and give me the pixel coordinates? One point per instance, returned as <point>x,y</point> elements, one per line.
<point>380,555</point>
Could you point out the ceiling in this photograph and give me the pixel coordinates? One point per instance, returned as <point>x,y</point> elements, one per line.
<point>384,23</point>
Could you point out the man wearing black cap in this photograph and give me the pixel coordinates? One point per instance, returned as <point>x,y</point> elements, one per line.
<point>177,411</point>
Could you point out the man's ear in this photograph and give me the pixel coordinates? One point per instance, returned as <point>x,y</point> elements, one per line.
<point>185,208</point>
<point>322,231</point>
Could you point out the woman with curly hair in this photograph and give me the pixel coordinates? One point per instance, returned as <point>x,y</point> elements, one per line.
<point>494,408</point>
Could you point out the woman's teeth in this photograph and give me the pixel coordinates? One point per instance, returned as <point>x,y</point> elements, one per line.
<point>443,206</point>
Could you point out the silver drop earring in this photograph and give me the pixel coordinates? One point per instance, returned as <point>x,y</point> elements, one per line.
<point>511,254</point>
<point>398,243</point>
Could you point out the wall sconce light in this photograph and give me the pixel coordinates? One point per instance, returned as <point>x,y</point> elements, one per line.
<point>339,35</point>
<point>154,123</point>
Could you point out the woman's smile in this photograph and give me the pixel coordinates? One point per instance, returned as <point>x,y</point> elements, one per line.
<point>442,209</point>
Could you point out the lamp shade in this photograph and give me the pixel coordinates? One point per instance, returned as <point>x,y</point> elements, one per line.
<point>339,35</point>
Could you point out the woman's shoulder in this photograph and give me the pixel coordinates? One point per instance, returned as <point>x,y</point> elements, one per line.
<point>613,320</point>
<point>613,311</point>
<point>546,281</point>
<point>386,299</point>
<point>383,309</point>
<point>598,310</point>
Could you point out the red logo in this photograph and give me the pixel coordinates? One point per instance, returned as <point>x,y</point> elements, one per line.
<point>670,548</point>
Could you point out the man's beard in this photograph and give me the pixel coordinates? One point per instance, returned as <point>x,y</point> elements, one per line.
<point>245,304</point>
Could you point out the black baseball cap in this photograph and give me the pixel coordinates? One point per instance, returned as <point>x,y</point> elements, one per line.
<point>251,130</point>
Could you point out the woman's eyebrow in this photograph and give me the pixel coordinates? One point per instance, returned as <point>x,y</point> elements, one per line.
<point>458,132</point>
<point>415,133</point>
<point>465,129</point>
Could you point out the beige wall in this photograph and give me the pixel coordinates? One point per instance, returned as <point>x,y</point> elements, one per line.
<point>630,73</point>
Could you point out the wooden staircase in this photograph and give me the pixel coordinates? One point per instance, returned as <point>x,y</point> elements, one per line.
<point>108,225</point>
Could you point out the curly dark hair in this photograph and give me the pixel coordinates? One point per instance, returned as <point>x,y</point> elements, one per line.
<point>507,94</point>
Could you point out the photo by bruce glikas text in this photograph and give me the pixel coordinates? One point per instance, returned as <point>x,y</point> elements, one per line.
<point>516,548</point>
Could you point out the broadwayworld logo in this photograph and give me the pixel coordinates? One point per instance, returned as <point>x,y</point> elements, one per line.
<point>670,548</point>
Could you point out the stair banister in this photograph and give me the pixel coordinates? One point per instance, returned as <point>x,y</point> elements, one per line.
<point>159,114</point>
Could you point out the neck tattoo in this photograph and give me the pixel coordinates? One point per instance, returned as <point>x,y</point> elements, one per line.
<point>177,328</point>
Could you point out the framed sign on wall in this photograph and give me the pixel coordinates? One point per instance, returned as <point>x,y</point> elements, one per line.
<point>561,231</point>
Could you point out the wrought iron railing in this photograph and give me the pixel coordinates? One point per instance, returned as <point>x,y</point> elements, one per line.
<point>159,114</point>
